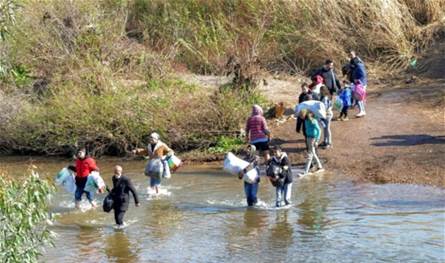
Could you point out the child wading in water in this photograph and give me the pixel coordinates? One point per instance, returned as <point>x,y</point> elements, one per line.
<point>251,189</point>
<point>281,178</point>
<point>313,136</point>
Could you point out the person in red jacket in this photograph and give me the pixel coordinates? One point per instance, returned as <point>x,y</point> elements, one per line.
<point>84,166</point>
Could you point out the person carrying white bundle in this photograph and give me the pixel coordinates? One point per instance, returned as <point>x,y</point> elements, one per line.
<point>66,178</point>
<point>251,184</point>
<point>157,166</point>
<point>95,183</point>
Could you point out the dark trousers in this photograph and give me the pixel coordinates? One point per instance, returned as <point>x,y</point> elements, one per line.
<point>344,111</point>
<point>119,216</point>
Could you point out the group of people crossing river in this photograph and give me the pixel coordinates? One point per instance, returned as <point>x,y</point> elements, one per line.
<point>314,114</point>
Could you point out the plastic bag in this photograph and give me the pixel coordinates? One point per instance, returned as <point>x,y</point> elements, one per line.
<point>108,203</point>
<point>174,163</point>
<point>316,107</point>
<point>66,178</point>
<point>338,104</point>
<point>154,168</point>
<point>359,92</point>
<point>233,164</point>
<point>94,182</point>
<point>251,176</point>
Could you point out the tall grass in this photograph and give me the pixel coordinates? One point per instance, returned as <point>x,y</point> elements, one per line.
<point>283,35</point>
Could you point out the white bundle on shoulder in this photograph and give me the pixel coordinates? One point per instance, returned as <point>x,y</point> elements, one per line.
<point>94,182</point>
<point>65,177</point>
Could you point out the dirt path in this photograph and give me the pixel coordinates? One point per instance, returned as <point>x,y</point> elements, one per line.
<point>401,140</point>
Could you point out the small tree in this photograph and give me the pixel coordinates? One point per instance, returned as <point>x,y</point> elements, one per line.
<point>23,218</point>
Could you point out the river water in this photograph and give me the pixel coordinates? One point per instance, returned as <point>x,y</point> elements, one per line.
<point>202,217</point>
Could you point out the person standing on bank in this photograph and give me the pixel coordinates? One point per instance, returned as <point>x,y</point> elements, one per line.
<point>84,166</point>
<point>257,132</point>
<point>358,72</point>
<point>329,77</point>
<point>122,187</point>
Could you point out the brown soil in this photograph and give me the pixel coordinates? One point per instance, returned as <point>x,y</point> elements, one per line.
<point>401,139</point>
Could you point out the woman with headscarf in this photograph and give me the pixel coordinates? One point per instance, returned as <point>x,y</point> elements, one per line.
<point>157,167</point>
<point>251,188</point>
<point>257,132</point>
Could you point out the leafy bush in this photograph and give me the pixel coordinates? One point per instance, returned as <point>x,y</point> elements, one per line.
<point>23,218</point>
<point>227,144</point>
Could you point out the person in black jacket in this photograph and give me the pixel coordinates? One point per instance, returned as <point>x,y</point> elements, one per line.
<point>122,187</point>
<point>330,78</point>
<point>282,180</point>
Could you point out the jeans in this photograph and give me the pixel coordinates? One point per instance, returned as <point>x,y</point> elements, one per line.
<point>284,192</point>
<point>311,154</point>
<point>119,216</point>
<point>80,191</point>
<point>155,181</point>
<point>327,130</point>
<point>251,191</point>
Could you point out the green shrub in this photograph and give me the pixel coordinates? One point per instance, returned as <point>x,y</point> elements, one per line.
<point>23,218</point>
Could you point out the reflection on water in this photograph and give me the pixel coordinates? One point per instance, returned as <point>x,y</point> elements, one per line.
<point>312,214</point>
<point>118,248</point>
<point>205,220</point>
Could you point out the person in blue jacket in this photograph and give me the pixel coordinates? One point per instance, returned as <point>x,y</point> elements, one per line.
<point>345,97</point>
<point>358,72</point>
<point>358,69</point>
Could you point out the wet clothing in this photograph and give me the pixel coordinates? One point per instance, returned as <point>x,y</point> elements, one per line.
<point>251,190</point>
<point>83,168</point>
<point>80,190</point>
<point>119,217</point>
<point>283,193</point>
<point>283,184</point>
<point>122,187</point>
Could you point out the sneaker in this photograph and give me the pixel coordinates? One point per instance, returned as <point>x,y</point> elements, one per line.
<point>345,119</point>
<point>320,170</point>
<point>323,144</point>
<point>301,175</point>
<point>360,114</point>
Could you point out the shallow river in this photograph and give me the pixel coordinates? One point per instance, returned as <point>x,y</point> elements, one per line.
<point>202,217</point>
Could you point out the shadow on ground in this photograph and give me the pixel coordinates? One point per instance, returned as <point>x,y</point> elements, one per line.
<point>407,140</point>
